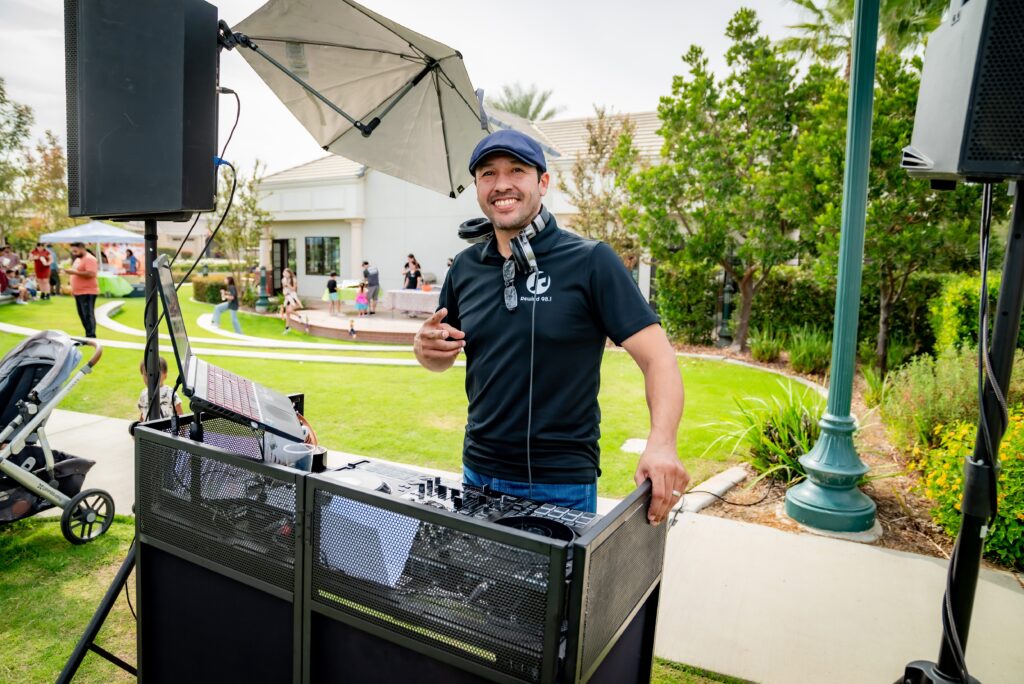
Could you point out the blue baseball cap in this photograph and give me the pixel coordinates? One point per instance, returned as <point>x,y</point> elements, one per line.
<point>519,145</point>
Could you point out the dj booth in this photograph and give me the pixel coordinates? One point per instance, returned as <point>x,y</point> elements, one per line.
<point>249,571</point>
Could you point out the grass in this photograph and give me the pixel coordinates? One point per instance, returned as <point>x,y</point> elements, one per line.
<point>408,415</point>
<point>50,590</point>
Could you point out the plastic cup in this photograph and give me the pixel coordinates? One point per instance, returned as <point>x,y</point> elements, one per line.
<point>299,455</point>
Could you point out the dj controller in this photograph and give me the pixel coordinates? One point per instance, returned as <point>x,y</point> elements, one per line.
<point>480,503</point>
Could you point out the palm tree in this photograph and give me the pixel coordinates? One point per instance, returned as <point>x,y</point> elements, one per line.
<point>903,25</point>
<point>528,103</point>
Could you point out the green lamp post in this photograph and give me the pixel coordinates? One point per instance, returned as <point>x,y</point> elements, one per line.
<point>829,499</point>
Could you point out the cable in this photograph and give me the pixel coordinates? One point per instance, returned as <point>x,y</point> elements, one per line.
<point>223,151</point>
<point>127,595</point>
<point>209,240</point>
<point>679,508</point>
<point>529,400</point>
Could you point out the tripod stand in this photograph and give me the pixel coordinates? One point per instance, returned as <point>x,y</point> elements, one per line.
<point>86,642</point>
<point>980,471</point>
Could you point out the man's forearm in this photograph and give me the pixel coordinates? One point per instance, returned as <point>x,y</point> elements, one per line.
<point>664,389</point>
<point>438,365</point>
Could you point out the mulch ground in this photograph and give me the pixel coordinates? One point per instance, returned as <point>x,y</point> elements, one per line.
<point>902,513</point>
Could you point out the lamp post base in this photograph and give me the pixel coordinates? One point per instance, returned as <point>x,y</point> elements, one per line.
<point>925,672</point>
<point>829,499</point>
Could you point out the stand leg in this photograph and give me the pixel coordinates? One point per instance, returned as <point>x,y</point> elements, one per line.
<point>978,493</point>
<point>152,350</point>
<point>85,643</point>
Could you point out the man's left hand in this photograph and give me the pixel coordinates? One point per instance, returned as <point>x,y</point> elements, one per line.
<point>668,479</point>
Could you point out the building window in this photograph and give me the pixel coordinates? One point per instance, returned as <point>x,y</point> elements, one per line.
<point>323,255</point>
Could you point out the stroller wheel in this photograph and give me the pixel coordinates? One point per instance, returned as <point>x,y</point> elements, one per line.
<point>87,516</point>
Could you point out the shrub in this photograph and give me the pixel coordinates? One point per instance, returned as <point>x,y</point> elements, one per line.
<point>810,350</point>
<point>874,389</point>
<point>954,312</point>
<point>777,434</point>
<point>942,482</point>
<point>931,391</point>
<point>207,289</point>
<point>685,299</point>
<point>898,352</point>
<point>766,345</point>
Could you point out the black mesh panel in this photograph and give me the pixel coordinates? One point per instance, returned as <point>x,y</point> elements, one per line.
<point>621,569</point>
<point>232,516</point>
<point>480,600</point>
<point>996,128</point>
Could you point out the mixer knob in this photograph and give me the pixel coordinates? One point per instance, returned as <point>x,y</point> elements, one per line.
<point>457,502</point>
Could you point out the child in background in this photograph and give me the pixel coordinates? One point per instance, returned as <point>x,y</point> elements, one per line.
<point>333,308</point>
<point>169,401</point>
<point>362,301</point>
<point>352,328</point>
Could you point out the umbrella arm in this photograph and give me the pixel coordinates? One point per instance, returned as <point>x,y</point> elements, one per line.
<point>229,40</point>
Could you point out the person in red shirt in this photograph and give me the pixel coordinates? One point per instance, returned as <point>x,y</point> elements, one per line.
<point>84,286</point>
<point>41,262</point>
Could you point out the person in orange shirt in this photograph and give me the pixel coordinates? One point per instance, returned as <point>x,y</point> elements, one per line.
<point>84,286</point>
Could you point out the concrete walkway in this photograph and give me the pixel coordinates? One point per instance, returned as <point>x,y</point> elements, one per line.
<point>742,599</point>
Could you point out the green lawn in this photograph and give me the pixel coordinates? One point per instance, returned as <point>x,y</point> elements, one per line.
<point>409,415</point>
<point>50,590</point>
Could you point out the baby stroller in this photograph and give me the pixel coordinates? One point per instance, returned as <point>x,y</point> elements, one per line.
<point>34,377</point>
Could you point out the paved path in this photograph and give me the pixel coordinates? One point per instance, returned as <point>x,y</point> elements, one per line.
<point>743,599</point>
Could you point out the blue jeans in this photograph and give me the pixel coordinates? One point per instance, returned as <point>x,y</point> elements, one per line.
<point>221,308</point>
<point>582,497</point>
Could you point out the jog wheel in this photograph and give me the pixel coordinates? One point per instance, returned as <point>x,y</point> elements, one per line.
<point>87,516</point>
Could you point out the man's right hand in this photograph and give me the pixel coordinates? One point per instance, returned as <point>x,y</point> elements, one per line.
<point>437,344</point>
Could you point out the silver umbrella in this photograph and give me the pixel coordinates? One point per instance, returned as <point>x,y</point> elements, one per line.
<point>366,88</point>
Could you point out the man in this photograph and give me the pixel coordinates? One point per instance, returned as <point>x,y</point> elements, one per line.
<point>84,286</point>
<point>371,274</point>
<point>41,263</point>
<point>534,345</point>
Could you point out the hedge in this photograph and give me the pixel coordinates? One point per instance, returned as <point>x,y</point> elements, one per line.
<point>954,312</point>
<point>685,296</point>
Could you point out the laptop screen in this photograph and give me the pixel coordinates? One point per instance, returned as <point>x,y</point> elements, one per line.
<point>172,310</point>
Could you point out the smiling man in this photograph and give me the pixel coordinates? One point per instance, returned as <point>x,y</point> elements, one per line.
<point>532,308</point>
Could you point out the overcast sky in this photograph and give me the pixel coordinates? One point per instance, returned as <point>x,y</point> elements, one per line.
<point>620,55</point>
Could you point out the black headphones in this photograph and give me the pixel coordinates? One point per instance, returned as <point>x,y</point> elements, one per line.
<point>480,230</point>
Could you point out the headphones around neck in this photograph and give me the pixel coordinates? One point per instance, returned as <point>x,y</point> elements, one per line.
<point>480,230</point>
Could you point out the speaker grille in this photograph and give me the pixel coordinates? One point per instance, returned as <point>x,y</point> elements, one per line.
<point>71,90</point>
<point>477,599</point>
<point>622,568</point>
<point>996,130</point>
<point>233,516</point>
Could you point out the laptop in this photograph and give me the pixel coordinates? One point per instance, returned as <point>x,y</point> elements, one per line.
<point>216,390</point>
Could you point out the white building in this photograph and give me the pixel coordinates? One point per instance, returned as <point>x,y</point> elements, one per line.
<point>333,213</point>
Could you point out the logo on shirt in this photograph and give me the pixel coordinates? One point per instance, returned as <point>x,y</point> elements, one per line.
<point>538,282</point>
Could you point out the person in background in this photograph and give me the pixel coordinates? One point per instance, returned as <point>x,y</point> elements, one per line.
<point>333,303</point>
<point>413,276</point>
<point>54,273</point>
<point>41,264</point>
<point>9,259</point>
<point>533,427</point>
<point>84,286</point>
<point>131,263</point>
<point>291,302</point>
<point>362,301</point>
<point>229,303</point>
<point>169,402</point>
<point>371,276</point>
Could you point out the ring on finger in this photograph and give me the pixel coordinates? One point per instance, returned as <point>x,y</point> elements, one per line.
<point>676,493</point>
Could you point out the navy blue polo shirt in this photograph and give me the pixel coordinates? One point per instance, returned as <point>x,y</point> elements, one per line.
<point>581,296</point>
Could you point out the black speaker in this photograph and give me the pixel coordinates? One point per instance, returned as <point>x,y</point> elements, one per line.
<point>141,107</point>
<point>969,123</point>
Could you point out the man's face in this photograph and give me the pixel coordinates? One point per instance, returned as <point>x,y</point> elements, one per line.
<point>77,252</point>
<point>509,191</point>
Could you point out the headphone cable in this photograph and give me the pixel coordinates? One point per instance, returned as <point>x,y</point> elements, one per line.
<point>529,394</point>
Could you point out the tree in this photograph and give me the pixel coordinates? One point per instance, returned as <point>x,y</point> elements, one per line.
<point>240,233</point>
<point>44,192</point>
<point>15,120</point>
<point>528,103</point>
<point>902,25</point>
<point>715,199</point>
<point>598,185</point>
<point>910,227</point>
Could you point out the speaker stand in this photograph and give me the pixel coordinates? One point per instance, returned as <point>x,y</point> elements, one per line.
<point>978,477</point>
<point>87,641</point>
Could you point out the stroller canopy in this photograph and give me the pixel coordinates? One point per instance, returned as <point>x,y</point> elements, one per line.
<point>48,347</point>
